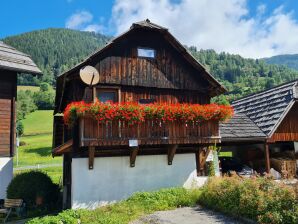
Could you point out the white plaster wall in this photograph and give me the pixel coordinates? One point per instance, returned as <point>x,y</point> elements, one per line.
<point>113,179</point>
<point>6,174</point>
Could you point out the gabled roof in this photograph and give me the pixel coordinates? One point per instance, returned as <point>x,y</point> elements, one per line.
<point>268,108</point>
<point>12,59</point>
<point>216,87</point>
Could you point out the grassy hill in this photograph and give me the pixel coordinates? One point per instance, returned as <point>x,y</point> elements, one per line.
<point>39,122</point>
<point>31,88</point>
<point>37,140</point>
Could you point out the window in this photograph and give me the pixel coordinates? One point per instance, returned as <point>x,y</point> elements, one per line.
<point>146,101</point>
<point>105,95</point>
<point>146,52</point>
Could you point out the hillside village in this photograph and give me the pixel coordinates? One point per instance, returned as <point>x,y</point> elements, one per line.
<point>126,128</point>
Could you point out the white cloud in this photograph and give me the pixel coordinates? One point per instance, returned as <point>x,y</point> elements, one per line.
<point>223,25</point>
<point>83,20</point>
<point>79,20</point>
<point>94,28</point>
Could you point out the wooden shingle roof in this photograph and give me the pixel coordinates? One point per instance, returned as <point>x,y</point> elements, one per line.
<point>12,59</point>
<point>240,128</point>
<point>268,108</point>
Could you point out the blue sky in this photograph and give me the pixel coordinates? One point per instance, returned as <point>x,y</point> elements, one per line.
<point>250,28</point>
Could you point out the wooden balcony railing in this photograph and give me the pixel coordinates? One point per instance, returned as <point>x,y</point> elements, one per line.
<point>118,133</point>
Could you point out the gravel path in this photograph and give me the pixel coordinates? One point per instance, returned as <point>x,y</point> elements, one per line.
<point>187,215</point>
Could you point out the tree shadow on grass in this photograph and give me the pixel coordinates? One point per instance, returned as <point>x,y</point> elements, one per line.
<point>44,151</point>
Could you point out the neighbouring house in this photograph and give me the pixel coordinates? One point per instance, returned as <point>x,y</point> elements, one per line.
<point>12,62</point>
<point>264,128</point>
<point>104,162</point>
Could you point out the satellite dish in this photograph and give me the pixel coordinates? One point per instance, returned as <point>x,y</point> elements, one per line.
<point>89,75</point>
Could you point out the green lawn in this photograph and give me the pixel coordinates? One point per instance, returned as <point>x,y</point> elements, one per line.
<point>31,88</point>
<point>38,122</point>
<point>37,150</point>
<point>38,128</point>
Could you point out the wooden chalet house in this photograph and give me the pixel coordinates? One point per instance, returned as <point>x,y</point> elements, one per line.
<point>145,64</point>
<point>12,62</point>
<point>265,123</point>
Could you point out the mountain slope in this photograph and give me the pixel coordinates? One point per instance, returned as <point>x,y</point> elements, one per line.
<point>290,60</point>
<point>56,50</point>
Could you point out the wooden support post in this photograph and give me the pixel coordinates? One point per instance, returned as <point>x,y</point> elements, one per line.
<point>267,157</point>
<point>200,161</point>
<point>197,154</point>
<point>171,153</point>
<point>133,155</point>
<point>91,157</point>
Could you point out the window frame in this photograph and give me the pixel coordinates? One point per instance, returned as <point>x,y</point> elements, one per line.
<point>146,48</point>
<point>115,89</point>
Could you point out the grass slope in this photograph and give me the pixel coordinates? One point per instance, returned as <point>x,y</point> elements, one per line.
<point>38,127</point>
<point>38,122</point>
<point>31,88</point>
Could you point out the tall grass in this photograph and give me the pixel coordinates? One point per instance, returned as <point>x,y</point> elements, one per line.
<point>125,211</point>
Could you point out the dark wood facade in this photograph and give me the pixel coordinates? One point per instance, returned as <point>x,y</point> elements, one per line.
<point>12,62</point>
<point>287,131</point>
<point>7,112</point>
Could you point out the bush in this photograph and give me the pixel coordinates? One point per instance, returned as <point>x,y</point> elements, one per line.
<point>259,199</point>
<point>20,128</point>
<point>32,185</point>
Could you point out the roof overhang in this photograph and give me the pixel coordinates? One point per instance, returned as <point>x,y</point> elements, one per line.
<point>249,139</point>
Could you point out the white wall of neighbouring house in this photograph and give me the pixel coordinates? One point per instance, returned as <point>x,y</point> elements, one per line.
<point>113,179</point>
<point>6,174</point>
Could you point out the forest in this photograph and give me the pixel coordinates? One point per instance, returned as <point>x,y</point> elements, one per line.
<point>57,50</point>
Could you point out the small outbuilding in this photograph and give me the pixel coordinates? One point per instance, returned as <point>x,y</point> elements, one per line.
<point>12,62</point>
<point>265,123</point>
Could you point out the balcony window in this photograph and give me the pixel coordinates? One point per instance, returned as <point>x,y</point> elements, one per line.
<point>107,95</point>
<point>146,52</point>
<point>146,101</point>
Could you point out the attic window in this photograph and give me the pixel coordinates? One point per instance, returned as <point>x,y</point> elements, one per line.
<point>146,52</point>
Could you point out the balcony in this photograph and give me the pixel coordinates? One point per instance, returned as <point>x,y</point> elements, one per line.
<point>149,132</point>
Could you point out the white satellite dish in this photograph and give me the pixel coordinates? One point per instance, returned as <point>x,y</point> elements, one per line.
<point>89,75</point>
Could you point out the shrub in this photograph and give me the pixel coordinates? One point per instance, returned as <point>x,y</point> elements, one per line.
<point>259,199</point>
<point>20,128</point>
<point>31,185</point>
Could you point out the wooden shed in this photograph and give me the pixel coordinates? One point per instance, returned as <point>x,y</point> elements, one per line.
<point>275,113</point>
<point>12,62</point>
<point>145,64</point>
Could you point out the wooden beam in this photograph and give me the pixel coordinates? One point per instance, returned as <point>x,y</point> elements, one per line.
<point>197,154</point>
<point>133,156</point>
<point>171,153</point>
<point>267,157</point>
<point>91,157</point>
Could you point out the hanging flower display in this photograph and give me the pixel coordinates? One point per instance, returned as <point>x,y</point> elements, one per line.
<point>136,113</point>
